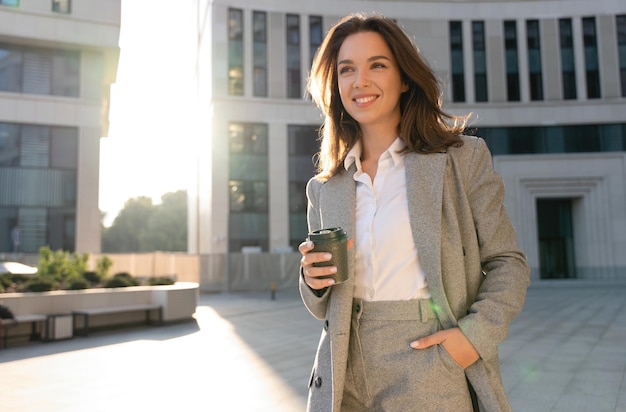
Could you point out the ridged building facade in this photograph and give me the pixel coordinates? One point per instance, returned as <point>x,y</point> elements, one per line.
<point>58,59</point>
<point>545,80</point>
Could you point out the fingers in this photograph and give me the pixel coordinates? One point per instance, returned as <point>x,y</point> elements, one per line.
<point>428,341</point>
<point>454,342</point>
<point>315,276</point>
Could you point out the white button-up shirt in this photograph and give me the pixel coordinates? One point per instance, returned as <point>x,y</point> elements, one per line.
<point>387,265</point>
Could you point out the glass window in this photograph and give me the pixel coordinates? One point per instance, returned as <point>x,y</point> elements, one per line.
<point>35,146</point>
<point>39,71</point>
<point>63,147</point>
<point>259,39</point>
<point>568,66</point>
<point>456,59</point>
<point>480,61</point>
<point>620,23</point>
<point>248,186</point>
<point>592,69</point>
<point>10,147</point>
<point>555,139</point>
<point>235,52</point>
<point>512,65</point>
<point>293,57</point>
<point>8,223</point>
<point>10,3</point>
<point>62,6</point>
<point>533,39</point>
<point>303,146</point>
<point>10,69</point>
<point>316,34</point>
<point>66,74</point>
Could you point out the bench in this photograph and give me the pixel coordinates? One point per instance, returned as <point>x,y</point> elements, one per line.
<point>85,314</point>
<point>33,319</point>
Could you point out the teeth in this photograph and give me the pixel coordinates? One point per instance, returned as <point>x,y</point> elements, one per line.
<point>362,100</point>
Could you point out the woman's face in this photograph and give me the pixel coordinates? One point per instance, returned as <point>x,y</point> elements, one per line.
<point>369,80</point>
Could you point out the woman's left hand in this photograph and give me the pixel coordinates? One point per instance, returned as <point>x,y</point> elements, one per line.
<point>454,342</point>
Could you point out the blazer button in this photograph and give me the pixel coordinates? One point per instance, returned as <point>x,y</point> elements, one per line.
<point>326,325</point>
<point>318,381</point>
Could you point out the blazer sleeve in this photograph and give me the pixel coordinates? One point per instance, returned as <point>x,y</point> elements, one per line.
<point>315,301</point>
<point>501,295</point>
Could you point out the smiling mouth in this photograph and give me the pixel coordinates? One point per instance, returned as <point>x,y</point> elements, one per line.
<point>363,100</point>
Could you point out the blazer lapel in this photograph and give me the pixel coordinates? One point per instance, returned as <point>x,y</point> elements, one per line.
<point>425,178</point>
<point>338,202</point>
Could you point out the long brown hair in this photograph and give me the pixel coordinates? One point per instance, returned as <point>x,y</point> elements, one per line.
<point>424,126</point>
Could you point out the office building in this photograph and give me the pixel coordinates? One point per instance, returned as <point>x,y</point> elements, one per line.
<point>546,81</point>
<point>58,59</point>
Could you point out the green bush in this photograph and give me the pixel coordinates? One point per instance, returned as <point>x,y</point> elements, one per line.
<point>103,265</point>
<point>121,280</point>
<point>6,280</point>
<point>19,278</point>
<point>40,284</point>
<point>161,280</point>
<point>92,277</point>
<point>78,283</point>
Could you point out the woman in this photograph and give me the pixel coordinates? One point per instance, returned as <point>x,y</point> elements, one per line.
<point>435,274</point>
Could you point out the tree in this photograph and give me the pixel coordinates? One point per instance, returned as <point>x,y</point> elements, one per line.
<point>142,226</point>
<point>167,226</point>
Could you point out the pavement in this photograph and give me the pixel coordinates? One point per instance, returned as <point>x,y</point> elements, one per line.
<point>246,352</point>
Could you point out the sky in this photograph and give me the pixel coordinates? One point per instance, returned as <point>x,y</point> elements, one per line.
<point>149,144</point>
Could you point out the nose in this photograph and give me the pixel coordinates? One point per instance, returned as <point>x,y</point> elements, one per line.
<point>361,80</point>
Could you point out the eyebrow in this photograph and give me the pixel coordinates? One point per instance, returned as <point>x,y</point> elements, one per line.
<point>370,59</point>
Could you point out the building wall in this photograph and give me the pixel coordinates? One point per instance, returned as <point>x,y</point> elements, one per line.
<point>428,23</point>
<point>92,29</point>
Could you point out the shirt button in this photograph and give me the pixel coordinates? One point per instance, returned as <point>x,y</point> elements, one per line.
<point>318,381</point>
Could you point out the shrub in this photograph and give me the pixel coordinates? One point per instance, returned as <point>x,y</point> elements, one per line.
<point>19,278</point>
<point>121,280</point>
<point>78,283</point>
<point>161,280</point>
<point>103,265</point>
<point>40,284</point>
<point>6,280</point>
<point>92,277</point>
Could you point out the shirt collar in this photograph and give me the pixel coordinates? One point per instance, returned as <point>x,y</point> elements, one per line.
<point>354,155</point>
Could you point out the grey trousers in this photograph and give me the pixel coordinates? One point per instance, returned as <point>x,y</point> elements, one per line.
<point>385,374</point>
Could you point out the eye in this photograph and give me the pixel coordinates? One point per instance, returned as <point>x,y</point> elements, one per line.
<point>378,65</point>
<point>345,69</point>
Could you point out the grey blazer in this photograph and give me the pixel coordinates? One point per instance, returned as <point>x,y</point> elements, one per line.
<point>476,274</point>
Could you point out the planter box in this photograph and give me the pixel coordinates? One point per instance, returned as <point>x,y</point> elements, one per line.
<point>179,301</point>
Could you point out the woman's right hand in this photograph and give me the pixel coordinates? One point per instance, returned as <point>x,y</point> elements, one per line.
<point>312,273</point>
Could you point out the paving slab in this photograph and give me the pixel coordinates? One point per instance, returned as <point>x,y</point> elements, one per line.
<point>246,352</point>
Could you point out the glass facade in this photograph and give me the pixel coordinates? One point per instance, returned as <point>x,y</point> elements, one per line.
<point>533,40</point>
<point>592,67</point>
<point>303,146</point>
<point>259,40</point>
<point>512,64</point>
<point>456,59</point>
<point>480,61</point>
<point>620,23</point>
<point>555,139</point>
<point>248,186</point>
<point>39,71</point>
<point>38,169</point>
<point>568,65</point>
<point>316,35</point>
<point>235,52</point>
<point>62,6</point>
<point>294,88</point>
